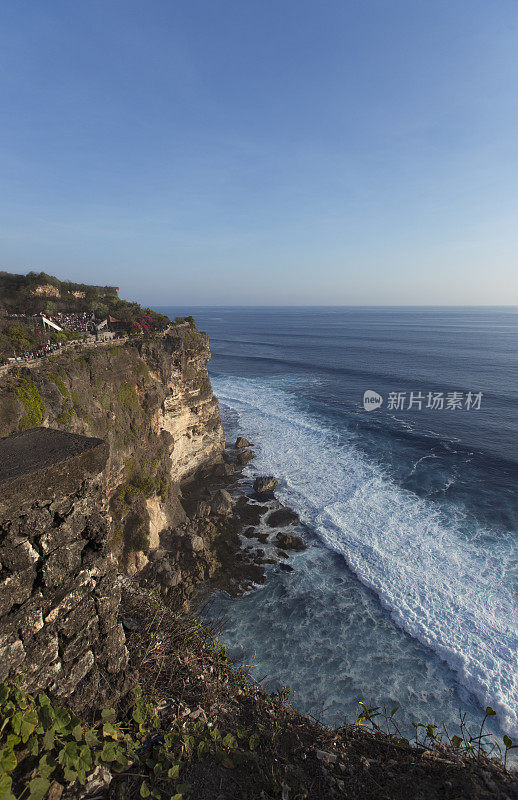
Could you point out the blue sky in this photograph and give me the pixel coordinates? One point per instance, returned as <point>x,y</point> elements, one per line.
<point>265,152</point>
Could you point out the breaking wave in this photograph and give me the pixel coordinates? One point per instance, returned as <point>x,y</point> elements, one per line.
<point>450,591</point>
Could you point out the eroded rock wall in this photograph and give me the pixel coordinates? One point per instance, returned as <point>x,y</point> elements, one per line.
<point>59,594</point>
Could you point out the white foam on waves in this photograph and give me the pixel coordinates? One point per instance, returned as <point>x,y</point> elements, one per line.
<point>441,588</point>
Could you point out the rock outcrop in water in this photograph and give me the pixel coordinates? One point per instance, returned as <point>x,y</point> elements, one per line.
<point>265,484</point>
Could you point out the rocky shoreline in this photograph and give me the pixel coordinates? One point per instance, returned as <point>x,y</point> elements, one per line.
<point>234,529</point>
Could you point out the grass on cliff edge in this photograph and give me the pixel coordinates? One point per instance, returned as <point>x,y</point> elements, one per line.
<point>196,726</point>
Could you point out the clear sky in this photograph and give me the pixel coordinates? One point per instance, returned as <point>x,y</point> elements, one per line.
<point>263,151</point>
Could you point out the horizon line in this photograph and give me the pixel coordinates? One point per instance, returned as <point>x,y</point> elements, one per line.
<point>353,305</point>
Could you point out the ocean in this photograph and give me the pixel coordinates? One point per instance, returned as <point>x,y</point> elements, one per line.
<point>407,593</point>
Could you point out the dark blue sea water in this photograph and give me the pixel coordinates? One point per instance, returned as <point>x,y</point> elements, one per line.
<point>407,593</point>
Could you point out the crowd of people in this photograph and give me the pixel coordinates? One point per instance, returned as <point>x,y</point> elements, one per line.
<point>43,350</point>
<point>31,340</point>
<point>82,322</point>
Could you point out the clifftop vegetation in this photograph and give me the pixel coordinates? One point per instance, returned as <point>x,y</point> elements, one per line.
<point>38,292</point>
<point>28,295</point>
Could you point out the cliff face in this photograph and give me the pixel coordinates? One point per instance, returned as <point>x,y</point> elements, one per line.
<point>190,412</point>
<point>151,401</point>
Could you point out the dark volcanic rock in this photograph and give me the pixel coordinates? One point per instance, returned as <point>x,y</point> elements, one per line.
<point>243,457</point>
<point>250,512</point>
<point>242,442</point>
<point>265,484</point>
<point>223,470</point>
<point>157,555</point>
<point>132,624</point>
<point>201,509</point>
<point>249,532</point>
<point>290,542</point>
<point>221,503</point>
<point>286,567</point>
<point>283,516</point>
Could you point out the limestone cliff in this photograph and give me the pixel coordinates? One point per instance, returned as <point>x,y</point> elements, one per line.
<point>151,400</point>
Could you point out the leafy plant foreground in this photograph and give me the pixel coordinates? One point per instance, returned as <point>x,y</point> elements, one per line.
<point>197,726</point>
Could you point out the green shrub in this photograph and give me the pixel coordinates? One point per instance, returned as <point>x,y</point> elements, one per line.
<point>127,397</point>
<point>141,370</point>
<point>479,745</point>
<point>149,477</point>
<point>59,383</point>
<point>105,400</point>
<point>163,484</point>
<point>144,483</point>
<point>40,742</point>
<point>34,407</point>
<point>191,338</point>
<point>203,382</point>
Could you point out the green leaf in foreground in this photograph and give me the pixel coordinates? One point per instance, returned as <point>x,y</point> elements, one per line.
<point>108,715</point>
<point>109,751</point>
<point>47,766</point>
<point>456,741</point>
<point>5,788</point>
<point>38,788</point>
<point>8,760</point>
